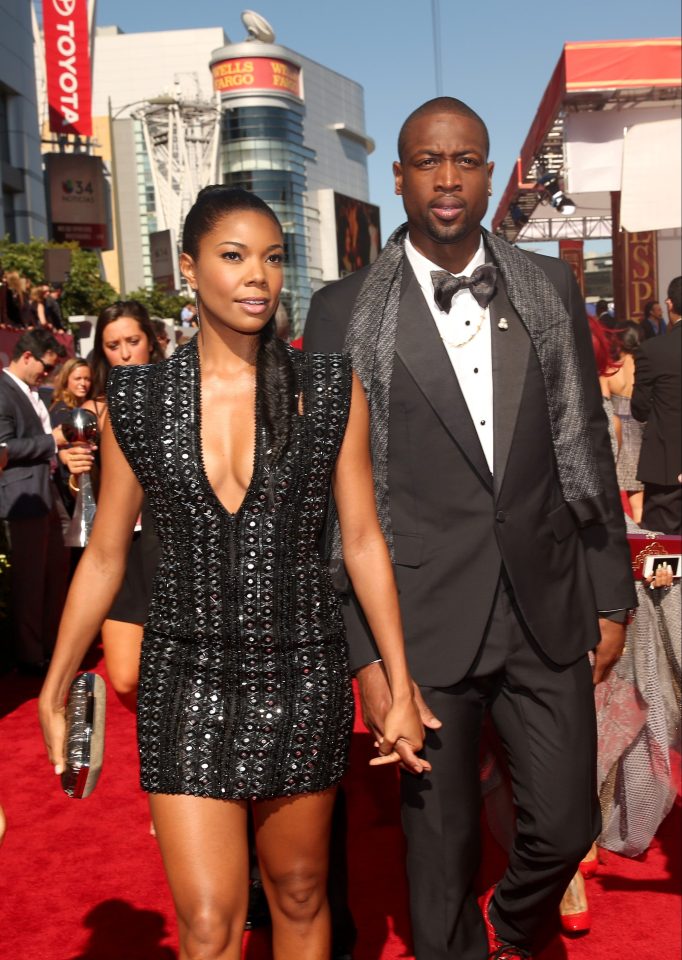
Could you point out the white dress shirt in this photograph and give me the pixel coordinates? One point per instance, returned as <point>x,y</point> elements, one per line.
<point>36,403</point>
<point>472,359</point>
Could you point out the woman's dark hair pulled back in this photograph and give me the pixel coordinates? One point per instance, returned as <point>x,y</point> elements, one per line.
<point>100,365</point>
<point>274,369</point>
<point>630,336</point>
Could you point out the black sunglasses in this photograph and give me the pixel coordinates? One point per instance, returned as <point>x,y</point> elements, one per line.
<point>47,367</point>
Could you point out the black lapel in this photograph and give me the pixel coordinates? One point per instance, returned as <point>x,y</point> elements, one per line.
<point>510,350</point>
<point>27,407</point>
<point>419,346</point>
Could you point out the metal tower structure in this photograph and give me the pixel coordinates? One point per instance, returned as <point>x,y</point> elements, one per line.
<point>182,138</point>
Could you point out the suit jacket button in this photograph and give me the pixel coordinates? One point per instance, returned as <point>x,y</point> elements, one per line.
<point>500,516</point>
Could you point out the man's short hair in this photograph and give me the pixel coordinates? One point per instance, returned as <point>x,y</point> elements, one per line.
<point>441,105</point>
<point>675,295</point>
<point>36,342</point>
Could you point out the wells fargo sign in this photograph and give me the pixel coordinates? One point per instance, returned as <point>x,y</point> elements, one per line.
<point>246,74</point>
<point>67,64</point>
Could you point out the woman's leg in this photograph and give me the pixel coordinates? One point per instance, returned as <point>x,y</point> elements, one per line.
<point>122,643</point>
<point>636,498</point>
<point>204,850</point>
<point>292,839</point>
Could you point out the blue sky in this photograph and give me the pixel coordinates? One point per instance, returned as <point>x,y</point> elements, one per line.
<point>497,56</point>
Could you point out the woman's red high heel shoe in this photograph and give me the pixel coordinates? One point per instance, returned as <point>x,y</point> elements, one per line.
<point>589,865</point>
<point>574,910</point>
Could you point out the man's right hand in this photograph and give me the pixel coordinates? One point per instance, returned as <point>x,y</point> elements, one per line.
<point>375,700</point>
<point>375,697</point>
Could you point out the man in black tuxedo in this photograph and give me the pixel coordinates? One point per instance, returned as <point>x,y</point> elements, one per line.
<point>657,400</point>
<point>497,493</point>
<point>29,501</point>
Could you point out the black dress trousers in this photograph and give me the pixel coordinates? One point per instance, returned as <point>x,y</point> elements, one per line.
<point>545,717</point>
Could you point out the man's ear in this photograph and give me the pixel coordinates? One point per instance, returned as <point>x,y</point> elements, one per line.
<point>188,270</point>
<point>398,177</point>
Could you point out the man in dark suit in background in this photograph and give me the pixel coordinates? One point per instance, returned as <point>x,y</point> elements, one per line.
<point>497,494</point>
<point>29,501</point>
<point>653,323</point>
<point>657,401</point>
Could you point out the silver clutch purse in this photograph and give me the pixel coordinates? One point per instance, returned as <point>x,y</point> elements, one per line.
<point>84,744</point>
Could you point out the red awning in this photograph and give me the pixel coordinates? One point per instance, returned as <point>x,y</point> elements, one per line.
<point>589,75</point>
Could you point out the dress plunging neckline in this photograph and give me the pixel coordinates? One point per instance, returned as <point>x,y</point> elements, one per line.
<point>231,514</point>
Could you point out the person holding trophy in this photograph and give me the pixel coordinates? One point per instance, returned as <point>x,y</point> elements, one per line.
<point>71,390</point>
<point>124,336</point>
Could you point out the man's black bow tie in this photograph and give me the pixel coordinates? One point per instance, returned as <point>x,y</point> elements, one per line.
<point>481,283</point>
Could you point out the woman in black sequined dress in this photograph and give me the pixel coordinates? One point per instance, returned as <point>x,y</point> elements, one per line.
<point>244,692</point>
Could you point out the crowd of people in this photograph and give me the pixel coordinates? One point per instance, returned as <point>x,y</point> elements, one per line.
<point>24,305</point>
<point>639,375</point>
<point>270,520</point>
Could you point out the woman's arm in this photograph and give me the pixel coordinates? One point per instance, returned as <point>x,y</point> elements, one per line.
<point>96,582</point>
<point>368,564</point>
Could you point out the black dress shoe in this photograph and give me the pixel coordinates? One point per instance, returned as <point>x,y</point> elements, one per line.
<point>258,913</point>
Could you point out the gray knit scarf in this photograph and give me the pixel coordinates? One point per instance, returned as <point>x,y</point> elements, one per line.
<point>370,341</point>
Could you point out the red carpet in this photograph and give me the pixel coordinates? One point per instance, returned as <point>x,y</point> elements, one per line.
<point>83,880</point>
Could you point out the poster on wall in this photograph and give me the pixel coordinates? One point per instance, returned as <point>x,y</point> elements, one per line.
<point>77,199</point>
<point>164,256</point>
<point>67,66</point>
<point>358,233</point>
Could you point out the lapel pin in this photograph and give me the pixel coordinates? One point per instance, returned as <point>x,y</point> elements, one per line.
<point>502,324</point>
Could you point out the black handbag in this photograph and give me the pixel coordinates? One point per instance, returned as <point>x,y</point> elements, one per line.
<point>84,742</point>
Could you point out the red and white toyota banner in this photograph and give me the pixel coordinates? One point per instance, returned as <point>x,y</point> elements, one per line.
<point>67,61</point>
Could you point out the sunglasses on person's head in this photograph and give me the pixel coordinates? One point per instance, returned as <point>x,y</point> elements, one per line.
<point>47,367</point>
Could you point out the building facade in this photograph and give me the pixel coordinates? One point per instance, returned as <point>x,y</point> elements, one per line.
<point>297,140</point>
<point>130,69</point>
<point>22,201</point>
<point>292,131</point>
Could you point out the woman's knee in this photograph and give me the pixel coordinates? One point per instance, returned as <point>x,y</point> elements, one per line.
<point>124,679</point>
<point>207,933</point>
<point>299,894</point>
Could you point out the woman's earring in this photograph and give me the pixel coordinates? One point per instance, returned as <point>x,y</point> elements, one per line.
<point>196,301</point>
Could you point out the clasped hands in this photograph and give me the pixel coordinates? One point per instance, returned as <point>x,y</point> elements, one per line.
<point>398,727</point>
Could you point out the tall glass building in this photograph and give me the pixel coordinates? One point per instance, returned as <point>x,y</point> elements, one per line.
<point>262,150</point>
<point>22,197</point>
<point>272,142</point>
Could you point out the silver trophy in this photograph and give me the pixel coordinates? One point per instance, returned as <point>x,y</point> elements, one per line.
<point>81,427</point>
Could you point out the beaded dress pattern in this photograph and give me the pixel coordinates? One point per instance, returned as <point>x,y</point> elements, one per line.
<point>244,681</point>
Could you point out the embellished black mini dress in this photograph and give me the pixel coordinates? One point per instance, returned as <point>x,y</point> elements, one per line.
<point>244,685</point>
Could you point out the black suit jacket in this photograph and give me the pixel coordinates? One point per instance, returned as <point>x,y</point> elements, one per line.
<point>25,482</point>
<point>455,525</point>
<point>651,331</point>
<point>657,399</point>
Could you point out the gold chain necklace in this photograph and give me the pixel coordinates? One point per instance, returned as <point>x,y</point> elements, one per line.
<point>463,343</point>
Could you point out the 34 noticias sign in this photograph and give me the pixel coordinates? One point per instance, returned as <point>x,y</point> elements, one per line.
<point>67,61</point>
